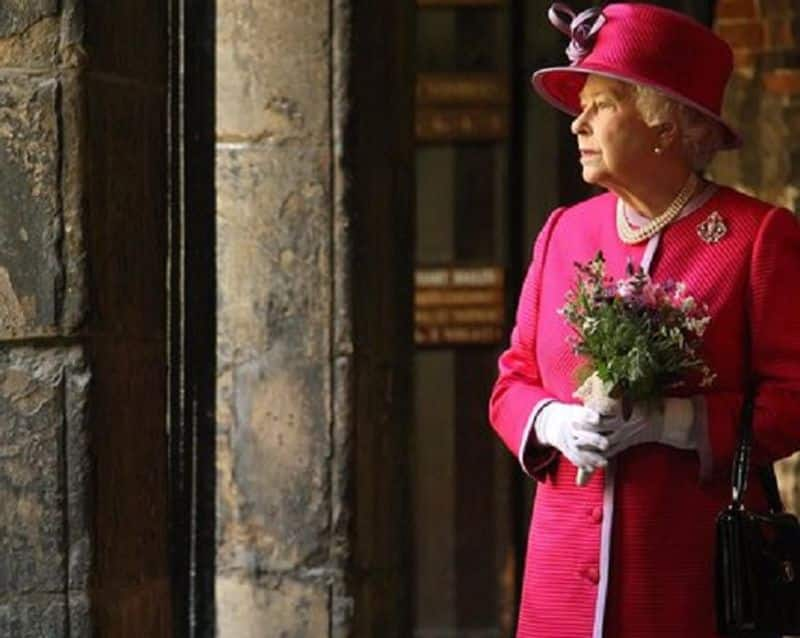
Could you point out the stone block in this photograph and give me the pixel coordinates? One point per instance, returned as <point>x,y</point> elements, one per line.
<point>274,304</point>
<point>78,472</point>
<point>273,465</point>
<point>80,617</point>
<point>73,198</point>
<point>17,16</point>
<point>34,47</point>
<point>273,252</point>
<point>34,617</point>
<point>280,607</point>
<point>31,521</point>
<point>31,272</point>
<point>40,391</point>
<point>273,70</point>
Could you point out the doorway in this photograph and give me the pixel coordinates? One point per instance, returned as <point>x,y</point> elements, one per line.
<point>492,161</point>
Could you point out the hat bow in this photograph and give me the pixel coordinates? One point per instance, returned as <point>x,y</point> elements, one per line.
<point>582,28</point>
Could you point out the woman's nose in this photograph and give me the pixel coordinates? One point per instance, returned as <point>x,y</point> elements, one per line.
<point>580,124</point>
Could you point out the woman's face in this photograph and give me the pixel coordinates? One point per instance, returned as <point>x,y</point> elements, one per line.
<point>616,145</point>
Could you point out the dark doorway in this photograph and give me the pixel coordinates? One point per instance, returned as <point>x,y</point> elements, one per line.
<point>492,161</point>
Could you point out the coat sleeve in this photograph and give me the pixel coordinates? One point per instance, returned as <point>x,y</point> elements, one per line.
<point>773,307</point>
<point>518,393</point>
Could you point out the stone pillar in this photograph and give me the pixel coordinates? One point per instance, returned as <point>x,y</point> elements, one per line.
<point>44,380</point>
<point>313,156</point>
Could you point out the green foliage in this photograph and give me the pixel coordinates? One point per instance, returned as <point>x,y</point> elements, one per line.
<point>641,336</point>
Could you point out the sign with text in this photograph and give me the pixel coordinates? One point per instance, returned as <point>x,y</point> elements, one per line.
<point>459,305</point>
<point>452,107</point>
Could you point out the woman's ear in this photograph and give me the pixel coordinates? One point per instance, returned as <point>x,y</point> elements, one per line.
<point>667,133</point>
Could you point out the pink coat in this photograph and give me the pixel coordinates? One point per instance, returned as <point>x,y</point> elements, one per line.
<point>631,554</point>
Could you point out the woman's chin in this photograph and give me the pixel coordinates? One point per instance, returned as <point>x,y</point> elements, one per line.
<point>591,175</point>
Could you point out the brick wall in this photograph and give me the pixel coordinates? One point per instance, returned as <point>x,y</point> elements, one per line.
<point>764,103</point>
<point>764,97</point>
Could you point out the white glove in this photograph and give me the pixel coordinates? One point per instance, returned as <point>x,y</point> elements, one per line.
<point>670,422</point>
<point>572,429</point>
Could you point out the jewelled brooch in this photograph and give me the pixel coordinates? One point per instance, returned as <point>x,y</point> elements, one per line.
<point>712,229</point>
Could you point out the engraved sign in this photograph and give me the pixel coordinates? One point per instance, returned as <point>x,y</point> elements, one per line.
<point>459,305</point>
<point>462,107</point>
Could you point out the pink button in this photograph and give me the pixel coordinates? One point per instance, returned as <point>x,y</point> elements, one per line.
<point>597,514</point>
<point>592,575</point>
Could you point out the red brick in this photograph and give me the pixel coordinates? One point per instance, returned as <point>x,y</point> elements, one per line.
<point>736,9</point>
<point>778,35</point>
<point>743,58</point>
<point>782,81</point>
<point>775,8</point>
<point>745,34</point>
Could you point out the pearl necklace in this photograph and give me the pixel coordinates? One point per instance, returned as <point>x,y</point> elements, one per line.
<point>657,224</point>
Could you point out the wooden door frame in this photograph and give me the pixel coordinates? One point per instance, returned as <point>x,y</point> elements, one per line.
<point>192,315</point>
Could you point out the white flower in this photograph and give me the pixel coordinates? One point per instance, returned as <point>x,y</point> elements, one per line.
<point>625,288</point>
<point>589,324</point>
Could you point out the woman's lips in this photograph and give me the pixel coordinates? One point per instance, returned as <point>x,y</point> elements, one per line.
<point>587,154</point>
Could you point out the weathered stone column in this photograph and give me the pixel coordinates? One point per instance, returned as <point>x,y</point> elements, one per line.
<point>44,527</point>
<point>313,249</point>
<point>274,302</point>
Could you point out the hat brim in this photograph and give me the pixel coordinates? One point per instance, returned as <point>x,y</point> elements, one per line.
<point>561,87</point>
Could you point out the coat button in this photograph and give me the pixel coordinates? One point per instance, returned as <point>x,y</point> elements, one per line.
<point>597,514</point>
<point>592,575</point>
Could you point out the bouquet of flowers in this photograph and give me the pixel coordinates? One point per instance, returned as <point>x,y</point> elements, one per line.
<point>639,337</point>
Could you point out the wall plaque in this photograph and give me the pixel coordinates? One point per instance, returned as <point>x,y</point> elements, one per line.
<point>462,107</point>
<point>459,305</point>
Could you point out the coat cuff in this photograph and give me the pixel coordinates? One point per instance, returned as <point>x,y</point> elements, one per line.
<point>534,457</point>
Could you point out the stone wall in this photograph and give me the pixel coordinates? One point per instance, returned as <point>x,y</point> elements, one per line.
<point>44,379</point>
<point>763,102</point>
<point>83,482</point>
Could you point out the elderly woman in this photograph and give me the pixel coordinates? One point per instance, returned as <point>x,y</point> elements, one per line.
<point>630,554</point>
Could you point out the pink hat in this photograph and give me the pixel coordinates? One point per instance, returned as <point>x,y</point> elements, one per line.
<point>642,44</point>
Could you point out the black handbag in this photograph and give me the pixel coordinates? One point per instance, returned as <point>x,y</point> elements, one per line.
<point>757,556</point>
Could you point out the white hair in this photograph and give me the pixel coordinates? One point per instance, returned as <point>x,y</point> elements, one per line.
<point>701,136</point>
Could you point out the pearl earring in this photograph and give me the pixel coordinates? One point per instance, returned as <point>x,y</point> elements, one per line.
<point>657,150</point>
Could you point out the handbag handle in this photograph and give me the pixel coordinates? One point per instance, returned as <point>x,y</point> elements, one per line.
<point>741,466</point>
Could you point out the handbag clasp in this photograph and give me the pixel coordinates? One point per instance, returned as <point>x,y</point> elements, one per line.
<point>787,571</point>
